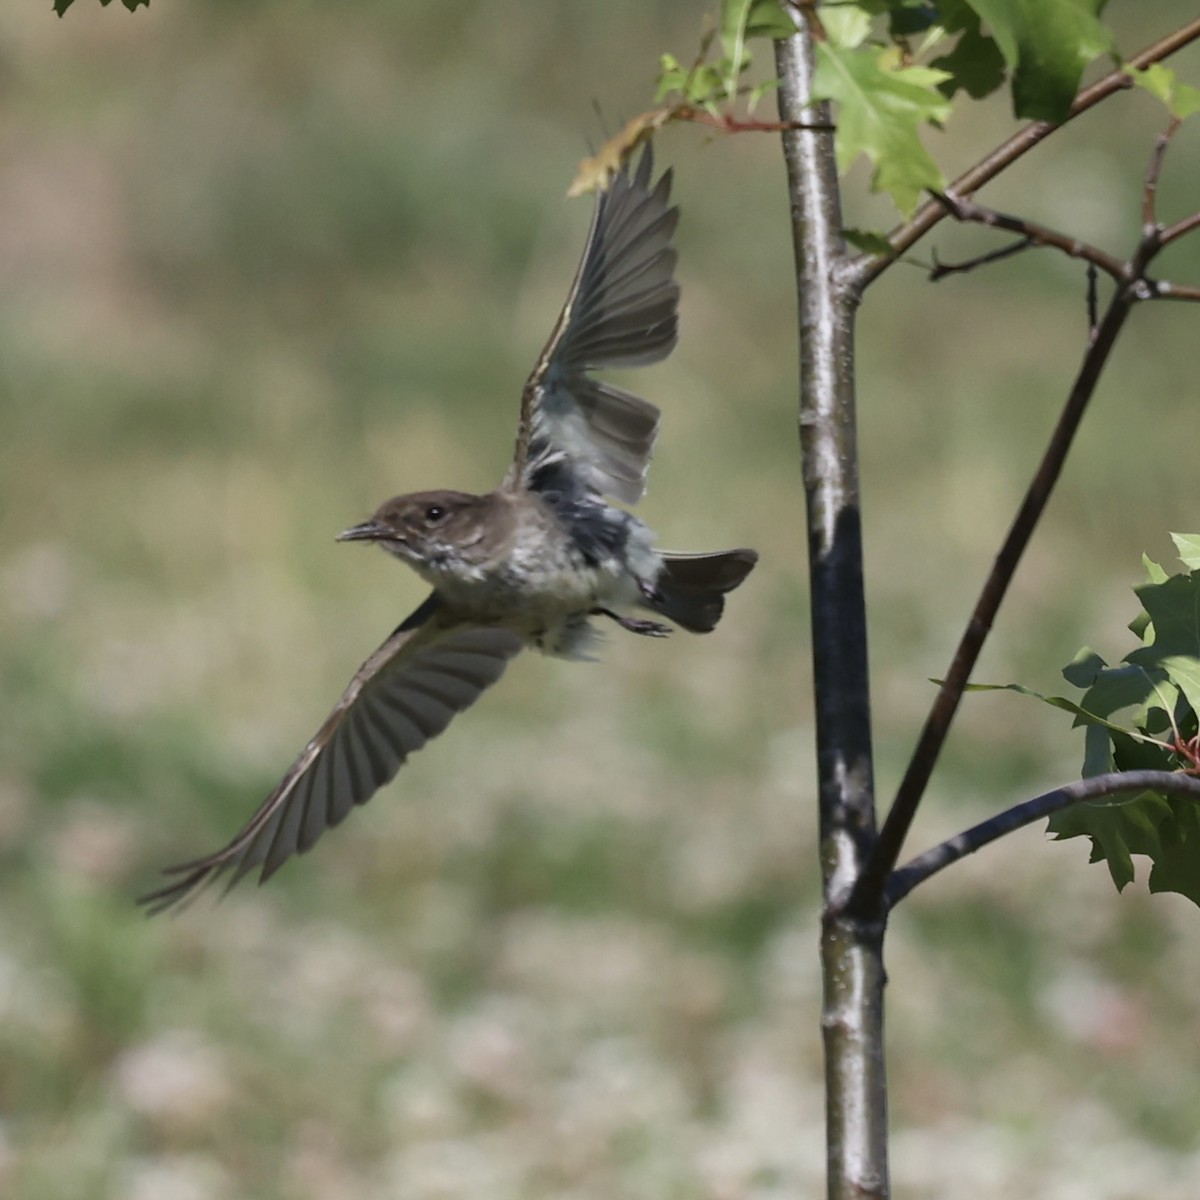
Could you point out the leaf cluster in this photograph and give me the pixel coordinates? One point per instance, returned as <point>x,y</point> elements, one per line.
<point>1141,713</point>
<point>893,67</point>
<point>715,86</point>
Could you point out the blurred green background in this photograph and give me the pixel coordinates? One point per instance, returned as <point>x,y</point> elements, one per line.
<point>265,264</point>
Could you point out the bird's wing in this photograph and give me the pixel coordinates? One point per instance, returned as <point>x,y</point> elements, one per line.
<point>407,692</point>
<point>621,312</point>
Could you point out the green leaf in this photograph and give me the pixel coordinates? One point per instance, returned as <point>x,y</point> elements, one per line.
<point>741,20</point>
<point>758,91</point>
<point>1047,44</point>
<point>734,14</point>
<point>1186,102</point>
<point>975,64</point>
<point>1154,573</point>
<point>869,240</point>
<point>1181,99</point>
<point>907,18</point>
<point>1174,610</point>
<point>1188,546</point>
<point>957,15</point>
<point>846,25</point>
<point>1183,670</point>
<point>881,106</point>
<point>705,86</point>
<point>1117,829</point>
<point>1084,713</point>
<point>1157,688</point>
<point>767,19</point>
<point>671,77</point>
<point>1083,668</point>
<point>1125,687</point>
<point>1178,852</point>
<point>1157,79</point>
<point>1097,752</point>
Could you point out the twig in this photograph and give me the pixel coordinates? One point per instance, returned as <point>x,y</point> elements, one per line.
<point>1093,301</point>
<point>1173,233</point>
<point>1165,290</point>
<point>865,268</point>
<point>1150,189</point>
<point>963,209</point>
<point>1154,238</point>
<point>918,869</point>
<point>727,123</point>
<point>940,270</point>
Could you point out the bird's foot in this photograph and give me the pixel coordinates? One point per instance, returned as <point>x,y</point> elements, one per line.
<point>636,624</point>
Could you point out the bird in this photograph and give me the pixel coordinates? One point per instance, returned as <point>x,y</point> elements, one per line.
<point>533,564</point>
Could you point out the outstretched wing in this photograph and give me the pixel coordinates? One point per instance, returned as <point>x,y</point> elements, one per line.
<point>621,312</point>
<point>407,692</point>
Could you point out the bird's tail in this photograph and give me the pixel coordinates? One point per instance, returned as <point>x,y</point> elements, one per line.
<point>691,588</point>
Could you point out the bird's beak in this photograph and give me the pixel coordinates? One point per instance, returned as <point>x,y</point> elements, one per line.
<point>368,531</point>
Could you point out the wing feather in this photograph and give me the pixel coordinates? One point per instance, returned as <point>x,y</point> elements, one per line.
<point>622,311</point>
<point>407,692</point>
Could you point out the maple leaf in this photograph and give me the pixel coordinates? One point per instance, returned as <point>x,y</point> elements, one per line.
<point>1047,43</point>
<point>881,106</point>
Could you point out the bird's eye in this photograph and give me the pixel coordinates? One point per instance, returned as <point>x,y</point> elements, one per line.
<point>434,513</point>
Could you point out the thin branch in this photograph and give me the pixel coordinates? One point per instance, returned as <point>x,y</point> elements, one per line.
<point>1150,189</point>
<point>1173,233</point>
<point>1093,300</point>
<point>918,869</point>
<point>890,842</point>
<point>728,123</point>
<point>866,267</point>
<point>1033,234</point>
<point>963,209</point>
<point>1133,286</point>
<point>1165,290</point>
<point>940,270</point>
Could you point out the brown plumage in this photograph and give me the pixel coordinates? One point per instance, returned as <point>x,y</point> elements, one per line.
<point>529,564</point>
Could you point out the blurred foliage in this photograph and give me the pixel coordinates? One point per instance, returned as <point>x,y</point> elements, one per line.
<point>61,6</point>
<point>266,264</point>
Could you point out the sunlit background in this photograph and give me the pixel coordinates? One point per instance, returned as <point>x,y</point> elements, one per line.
<point>263,265</point>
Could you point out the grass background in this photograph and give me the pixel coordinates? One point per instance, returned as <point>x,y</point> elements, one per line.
<point>266,264</point>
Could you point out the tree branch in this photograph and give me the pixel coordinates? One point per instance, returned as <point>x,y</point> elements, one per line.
<point>939,270</point>
<point>963,209</point>
<point>1133,284</point>
<point>886,850</point>
<point>919,869</point>
<point>1165,290</point>
<point>1173,233</point>
<point>1150,190</point>
<point>866,267</point>
<point>728,123</point>
<point>1154,238</point>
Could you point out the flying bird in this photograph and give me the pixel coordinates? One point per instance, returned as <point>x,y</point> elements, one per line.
<point>532,564</point>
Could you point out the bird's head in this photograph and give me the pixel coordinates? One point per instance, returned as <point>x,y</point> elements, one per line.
<point>435,530</point>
